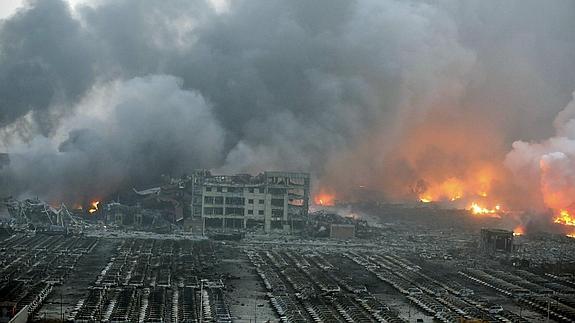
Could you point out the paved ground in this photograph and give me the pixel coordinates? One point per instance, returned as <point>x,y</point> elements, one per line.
<point>246,294</point>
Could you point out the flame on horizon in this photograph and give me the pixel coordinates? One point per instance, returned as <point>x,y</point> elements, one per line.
<point>477,209</point>
<point>94,207</point>
<point>324,198</point>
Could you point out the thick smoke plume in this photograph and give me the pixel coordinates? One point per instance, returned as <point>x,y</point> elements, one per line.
<point>547,168</point>
<point>120,136</point>
<point>404,98</point>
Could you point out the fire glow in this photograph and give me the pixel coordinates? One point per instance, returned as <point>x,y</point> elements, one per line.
<point>477,209</point>
<point>94,207</point>
<point>324,199</point>
<point>476,184</point>
<point>451,189</point>
<point>565,218</point>
<point>518,231</point>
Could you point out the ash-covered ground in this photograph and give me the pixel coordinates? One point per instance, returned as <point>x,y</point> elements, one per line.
<point>399,267</point>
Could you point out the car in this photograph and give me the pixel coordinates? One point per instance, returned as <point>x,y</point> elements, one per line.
<point>414,291</point>
<point>495,309</point>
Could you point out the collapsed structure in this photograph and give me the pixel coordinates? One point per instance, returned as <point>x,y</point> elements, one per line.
<point>270,200</point>
<point>39,216</point>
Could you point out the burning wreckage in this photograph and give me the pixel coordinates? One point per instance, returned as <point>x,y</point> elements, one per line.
<point>198,203</point>
<point>270,201</point>
<point>356,262</point>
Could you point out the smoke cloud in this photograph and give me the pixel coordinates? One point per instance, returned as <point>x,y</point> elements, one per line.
<point>547,168</point>
<point>395,96</point>
<point>120,136</point>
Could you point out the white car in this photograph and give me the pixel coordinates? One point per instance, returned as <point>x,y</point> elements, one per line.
<point>414,291</point>
<point>495,309</point>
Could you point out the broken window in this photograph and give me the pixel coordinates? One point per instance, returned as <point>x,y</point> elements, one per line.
<point>277,191</point>
<point>296,191</point>
<point>213,211</point>
<point>235,200</point>
<point>235,189</point>
<point>234,211</point>
<point>278,202</point>
<point>296,202</point>
<point>297,181</point>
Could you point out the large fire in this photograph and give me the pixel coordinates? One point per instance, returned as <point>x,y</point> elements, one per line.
<point>451,189</point>
<point>94,207</point>
<point>565,218</point>
<point>475,188</point>
<point>324,198</point>
<point>558,194</point>
<point>475,184</point>
<point>461,158</point>
<point>479,210</point>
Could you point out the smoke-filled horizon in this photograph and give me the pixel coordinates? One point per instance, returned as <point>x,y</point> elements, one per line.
<point>413,99</point>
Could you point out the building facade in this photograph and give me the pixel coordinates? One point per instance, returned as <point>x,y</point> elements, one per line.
<point>270,201</point>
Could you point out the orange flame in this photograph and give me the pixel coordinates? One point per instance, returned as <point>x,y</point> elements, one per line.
<point>425,199</point>
<point>477,209</point>
<point>565,218</point>
<point>476,184</point>
<point>518,231</point>
<point>94,207</point>
<point>324,199</point>
<point>451,189</point>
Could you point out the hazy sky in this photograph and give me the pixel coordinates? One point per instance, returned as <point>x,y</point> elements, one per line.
<point>7,7</point>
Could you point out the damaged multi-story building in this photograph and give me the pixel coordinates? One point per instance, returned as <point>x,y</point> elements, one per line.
<point>272,201</point>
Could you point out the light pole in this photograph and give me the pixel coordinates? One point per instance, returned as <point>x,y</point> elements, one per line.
<point>409,311</point>
<point>548,307</point>
<point>202,300</point>
<point>255,310</point>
